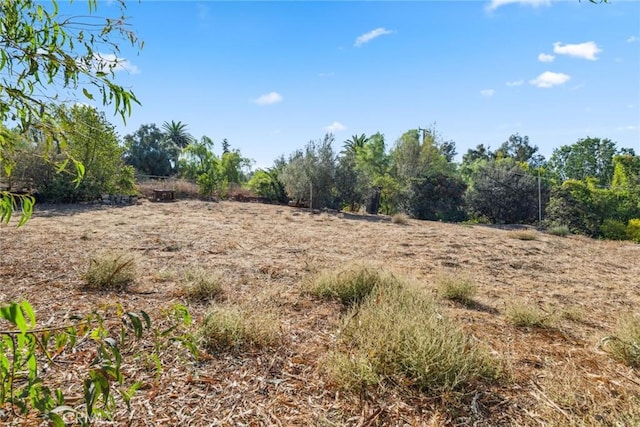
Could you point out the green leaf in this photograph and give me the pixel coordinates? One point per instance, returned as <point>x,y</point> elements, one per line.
<point>87,93</point>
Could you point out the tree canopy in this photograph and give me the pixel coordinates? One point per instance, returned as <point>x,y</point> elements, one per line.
<point>45,55</point>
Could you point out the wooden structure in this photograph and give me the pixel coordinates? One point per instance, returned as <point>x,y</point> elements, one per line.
<point>164,195</point>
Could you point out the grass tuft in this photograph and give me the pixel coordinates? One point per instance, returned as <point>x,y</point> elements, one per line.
<point>236,329</point>
<point>111,271</point>
<point>200,285</point>
<point>624,346</point>
<point>559,230</point>
<point>396,334</point>
<point>523,235</point>
<point>350,285</point>
<point>523,315</point>
<point>400,218</point>
<point>456,288</point>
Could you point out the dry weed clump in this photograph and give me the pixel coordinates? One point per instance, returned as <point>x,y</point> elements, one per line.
<point>111,271</point>
<point>624,346</point>
<point>523,235</point>
<point>456,288</point>
<point>236,328</point>
<point>526,315</point>
<point>200,285</point>
<point>396,334</point>
<point>351,284</point>
<point>400,218</point>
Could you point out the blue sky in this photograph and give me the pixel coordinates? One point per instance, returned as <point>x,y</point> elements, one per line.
<point>270,76</point>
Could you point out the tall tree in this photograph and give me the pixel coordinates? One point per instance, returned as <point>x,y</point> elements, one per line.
<point>587,158</point>
<point>148,152</point>
<point>42,49</point>
<point>355,143</point>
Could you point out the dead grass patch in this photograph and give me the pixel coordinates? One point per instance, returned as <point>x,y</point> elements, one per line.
<point>397,334</point>
<point>111,271</point>
<point>199,285</point>
<point>624,345</point>
<point>400,218</point>
<point>456,287</point>
<point>528,315</point>
<point>236,328</point>
<point>523,235</point>
<point>351,284</point>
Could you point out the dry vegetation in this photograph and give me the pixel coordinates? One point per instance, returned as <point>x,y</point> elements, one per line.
<point>274,353</point>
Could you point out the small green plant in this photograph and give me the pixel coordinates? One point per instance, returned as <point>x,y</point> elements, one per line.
<point>23,390</point>
<point>574,314</point>
<point>351,284</point>
<point>456,288</point>
<point>523,235</point>
<point>237,329</point>
<point>400,218</point>
<point>111,271</point>
<point>625,344</point>
<point>612,229</point>
<point>559,230</point>
<point>396,334</point>
<point>523,315</point>
<point>200,285</point>
<point>633,230</point>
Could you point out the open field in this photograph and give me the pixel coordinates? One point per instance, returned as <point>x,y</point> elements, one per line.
<point>552,375</point>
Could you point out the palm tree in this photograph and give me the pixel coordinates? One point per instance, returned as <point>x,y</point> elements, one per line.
<point>355,143</point>
<point>178,137</point>
<point>177,133</point>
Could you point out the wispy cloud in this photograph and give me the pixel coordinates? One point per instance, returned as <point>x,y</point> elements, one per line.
<point>329,74</point>
<point>550,79</point>
<point>494,4</point>
<point>367,37</point>
<point>587,50</point>
<point>515,83</point>
<point>487,92</point>
<point>632,39</point>
<point>630,127</point>
<point>335,127</point>
<point>545,57</point>
<point>109,62</point>
<point>268,99</point>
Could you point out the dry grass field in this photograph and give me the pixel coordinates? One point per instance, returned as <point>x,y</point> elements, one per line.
<point>553,371</point>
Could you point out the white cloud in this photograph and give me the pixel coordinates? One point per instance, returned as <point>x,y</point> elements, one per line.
<point>632,39</point>
<point>550,79</point>
<point>109,62</point>
<point>630,127</point>
<point>367,37</point>
<point>335,127</point>
<point>515,83</point>
<point>587,50</point>
<point>268,99</point>
<point>545,57</point>
<point>487,92</point>
<point>494,4</point>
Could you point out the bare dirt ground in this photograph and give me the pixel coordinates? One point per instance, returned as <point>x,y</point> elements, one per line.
<point>552,376</point>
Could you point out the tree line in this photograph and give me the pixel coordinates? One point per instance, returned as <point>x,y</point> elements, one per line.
<point>591,186</point>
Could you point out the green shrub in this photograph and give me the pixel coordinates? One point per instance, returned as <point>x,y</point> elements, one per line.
<point>112,270</point>
<point>200,285</point>
<point>524,315</point>
<point>236,329</point>
<point>396,334</point>
<point>351,284</point>
<point>456,288</point>
<point>625,344</point>
<point>559,230</point>
<point>633,230</point>
<point>612,229</point>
